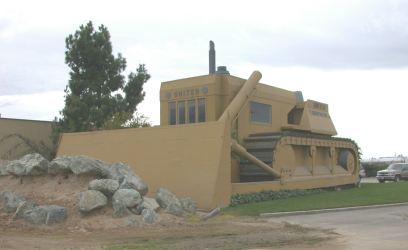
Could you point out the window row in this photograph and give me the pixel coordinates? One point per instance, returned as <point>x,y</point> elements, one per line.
<point>190,111</point>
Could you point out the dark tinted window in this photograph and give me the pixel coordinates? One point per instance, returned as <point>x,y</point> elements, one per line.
<point>395,167</point>
<point>172,113</point>
<point>181,112</point>
<point>261,112</point>
<point>191,111</point>
<point>201,109</point>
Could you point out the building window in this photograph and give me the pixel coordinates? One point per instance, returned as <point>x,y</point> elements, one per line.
<point>191,111</point>
<point>261,112</point>
<point>172,113</point>
<point>201,109</point>
<point>181,112</point>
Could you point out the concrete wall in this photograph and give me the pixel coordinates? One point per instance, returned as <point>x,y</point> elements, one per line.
<point>190,160</point>
<point>19,137</point>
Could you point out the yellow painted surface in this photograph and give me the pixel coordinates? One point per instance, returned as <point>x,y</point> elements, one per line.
<point>219,90</point>
<point>19,137</point>
<point>194,160</point>
<point>294,183</point>
<point>234,170</point>
<point>190,160</point>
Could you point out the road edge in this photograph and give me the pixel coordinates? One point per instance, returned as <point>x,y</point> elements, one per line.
<point>329,210</point>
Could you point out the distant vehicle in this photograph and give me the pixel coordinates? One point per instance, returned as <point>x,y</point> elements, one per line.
<point>394,172</point>
<point>362,172</point>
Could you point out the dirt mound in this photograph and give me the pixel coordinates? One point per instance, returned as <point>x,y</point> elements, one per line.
<point>64,191</point>
<point>99,230</point>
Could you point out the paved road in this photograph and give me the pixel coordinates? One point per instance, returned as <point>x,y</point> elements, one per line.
<point>369,180</point>
<point>380,228</point>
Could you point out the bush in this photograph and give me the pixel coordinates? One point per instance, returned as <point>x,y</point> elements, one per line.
<point>266,195</point>
<point>372,168</point>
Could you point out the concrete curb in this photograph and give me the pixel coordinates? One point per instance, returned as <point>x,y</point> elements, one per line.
<point>281,214</point>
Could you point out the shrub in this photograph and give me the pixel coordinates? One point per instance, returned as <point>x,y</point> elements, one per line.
<point>372,168</point>
<point>266,195</point>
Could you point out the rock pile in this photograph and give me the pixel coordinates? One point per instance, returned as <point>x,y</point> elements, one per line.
<point>30,211</point>
<point>113,185</point>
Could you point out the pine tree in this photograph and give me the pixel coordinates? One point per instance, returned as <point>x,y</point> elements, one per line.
<point>98,95</point>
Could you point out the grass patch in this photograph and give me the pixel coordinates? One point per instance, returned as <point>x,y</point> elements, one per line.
<point>367,194</point>
<point>288,235</point>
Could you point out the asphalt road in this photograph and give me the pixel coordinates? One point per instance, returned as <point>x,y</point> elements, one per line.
<point>369,180</point>
<point>380,228</point>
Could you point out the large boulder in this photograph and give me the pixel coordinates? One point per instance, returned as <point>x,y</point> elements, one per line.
<point>16,168</point>
<point>127,178</point>
<point>37,215</point>
<point>169,201</point>
<point>118,171</point>
<point>49,214</point>
<point>79,165</point>
<point>23,207</point>
<point>56,214</point>
<point>11,201</point>
<point>150,203</point>
<point>188,205</point>
<point>125,199</point>
<point>165,197</point>
<point>90,200</point>
<point>174,209</point>
<point>35,164</point>
<point>85,165</point>
<point>149,216</point>
<point>60,165</point>
<point>134,182</point>
<point>31,164</point>
<point>106,186</point>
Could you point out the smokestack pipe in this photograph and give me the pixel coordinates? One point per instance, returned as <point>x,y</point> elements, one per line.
<point>211,54</point>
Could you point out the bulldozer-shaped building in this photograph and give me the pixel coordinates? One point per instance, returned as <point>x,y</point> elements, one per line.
<point>221,135</point>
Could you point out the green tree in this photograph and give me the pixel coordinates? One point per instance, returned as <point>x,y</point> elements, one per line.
<point>98,95</point>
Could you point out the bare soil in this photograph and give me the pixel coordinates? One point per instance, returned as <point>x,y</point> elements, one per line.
<point>100,231</point>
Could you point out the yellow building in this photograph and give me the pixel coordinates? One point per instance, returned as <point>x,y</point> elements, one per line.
<point>221,135</point>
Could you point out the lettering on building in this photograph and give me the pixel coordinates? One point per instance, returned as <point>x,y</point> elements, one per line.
<point>187,93</point>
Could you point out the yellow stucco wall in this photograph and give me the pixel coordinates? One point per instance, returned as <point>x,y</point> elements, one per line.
<point>19,137</point>
<point>190,160</point>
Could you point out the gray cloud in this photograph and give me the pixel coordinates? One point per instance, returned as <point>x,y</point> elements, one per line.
<point>352,51</point>
<point>32,63</point>
<point>366,35</point>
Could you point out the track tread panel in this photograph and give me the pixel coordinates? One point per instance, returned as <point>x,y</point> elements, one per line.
<point>262,146</point>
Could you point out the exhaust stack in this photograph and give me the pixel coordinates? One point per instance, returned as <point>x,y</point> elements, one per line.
<point>211,54</point>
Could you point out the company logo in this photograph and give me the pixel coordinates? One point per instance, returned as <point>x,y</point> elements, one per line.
<point>190,92</point>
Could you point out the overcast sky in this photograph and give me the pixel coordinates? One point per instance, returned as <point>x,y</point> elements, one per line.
<point>352,55</point>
